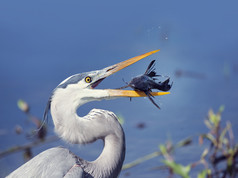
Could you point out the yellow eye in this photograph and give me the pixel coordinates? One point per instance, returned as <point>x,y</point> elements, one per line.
<point>88,79</point>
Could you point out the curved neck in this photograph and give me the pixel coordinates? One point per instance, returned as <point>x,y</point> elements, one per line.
<point>98,124</point>
<point>68,125</point>
<point>110,161</point>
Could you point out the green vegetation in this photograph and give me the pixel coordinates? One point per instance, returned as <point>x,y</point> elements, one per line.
<point>219,159</point>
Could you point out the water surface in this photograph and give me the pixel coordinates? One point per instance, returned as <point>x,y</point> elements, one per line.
<point>42,43</point>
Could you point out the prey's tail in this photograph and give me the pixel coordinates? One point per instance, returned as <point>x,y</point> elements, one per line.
<point>163,86</point>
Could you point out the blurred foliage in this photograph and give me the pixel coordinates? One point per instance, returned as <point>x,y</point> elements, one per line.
<point>121,119</point>
<point>222,151</point>
<point>37,135</point>
<point>219,159</point>
<point>40,132</point>
<point>22,105</point>
<point>182,143</point>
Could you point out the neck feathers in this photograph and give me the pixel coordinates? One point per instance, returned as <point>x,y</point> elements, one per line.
<point>110,161</point>
<point>98,124</point>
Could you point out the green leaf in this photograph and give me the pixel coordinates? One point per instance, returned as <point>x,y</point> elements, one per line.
<point>203,174</point>
<point>163,149</point>
<point>214,118</point>
<point>221,109</point>
<point>222,138</point>
<point>178,168</point>
<point>230,159</point>
<point>22,105</point>
<point>211,138</point>
<point>185,142</point>
<point>208,124</point>
<point>204,154</point>
<point>121,120</point>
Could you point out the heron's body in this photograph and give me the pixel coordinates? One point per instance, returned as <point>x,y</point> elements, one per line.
<point>60,162</point>
<point>97,124</point>
<point>54,162</point>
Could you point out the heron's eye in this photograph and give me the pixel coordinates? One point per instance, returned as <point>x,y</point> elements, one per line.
<point>88,79</point>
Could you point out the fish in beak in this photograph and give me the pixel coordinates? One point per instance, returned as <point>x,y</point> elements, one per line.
<point>119,66</point>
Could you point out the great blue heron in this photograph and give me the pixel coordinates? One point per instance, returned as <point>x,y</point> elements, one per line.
<point>97,124</point>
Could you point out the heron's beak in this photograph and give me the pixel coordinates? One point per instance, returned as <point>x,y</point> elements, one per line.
<point>132,93</point>
<point>117,67</point>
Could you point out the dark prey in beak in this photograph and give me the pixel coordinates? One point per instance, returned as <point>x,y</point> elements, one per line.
<point>147,82</point>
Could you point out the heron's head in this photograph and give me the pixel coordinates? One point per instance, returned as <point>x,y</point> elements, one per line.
<point>85,83</point>
<point>79,89</point>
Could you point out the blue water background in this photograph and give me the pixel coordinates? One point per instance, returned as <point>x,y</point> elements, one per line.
<point>44,42</point>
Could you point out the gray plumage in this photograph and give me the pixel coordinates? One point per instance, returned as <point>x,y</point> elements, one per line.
<point>49,164</point>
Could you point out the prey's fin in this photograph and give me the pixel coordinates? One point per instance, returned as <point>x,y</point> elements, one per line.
<point>150,98</point>
<point>150,67</point>
<point>150,71</point>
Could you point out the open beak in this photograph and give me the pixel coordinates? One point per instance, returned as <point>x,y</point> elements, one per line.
<point>117,67</point>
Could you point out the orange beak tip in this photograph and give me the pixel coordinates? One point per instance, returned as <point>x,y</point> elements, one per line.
<point>132,93</point>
